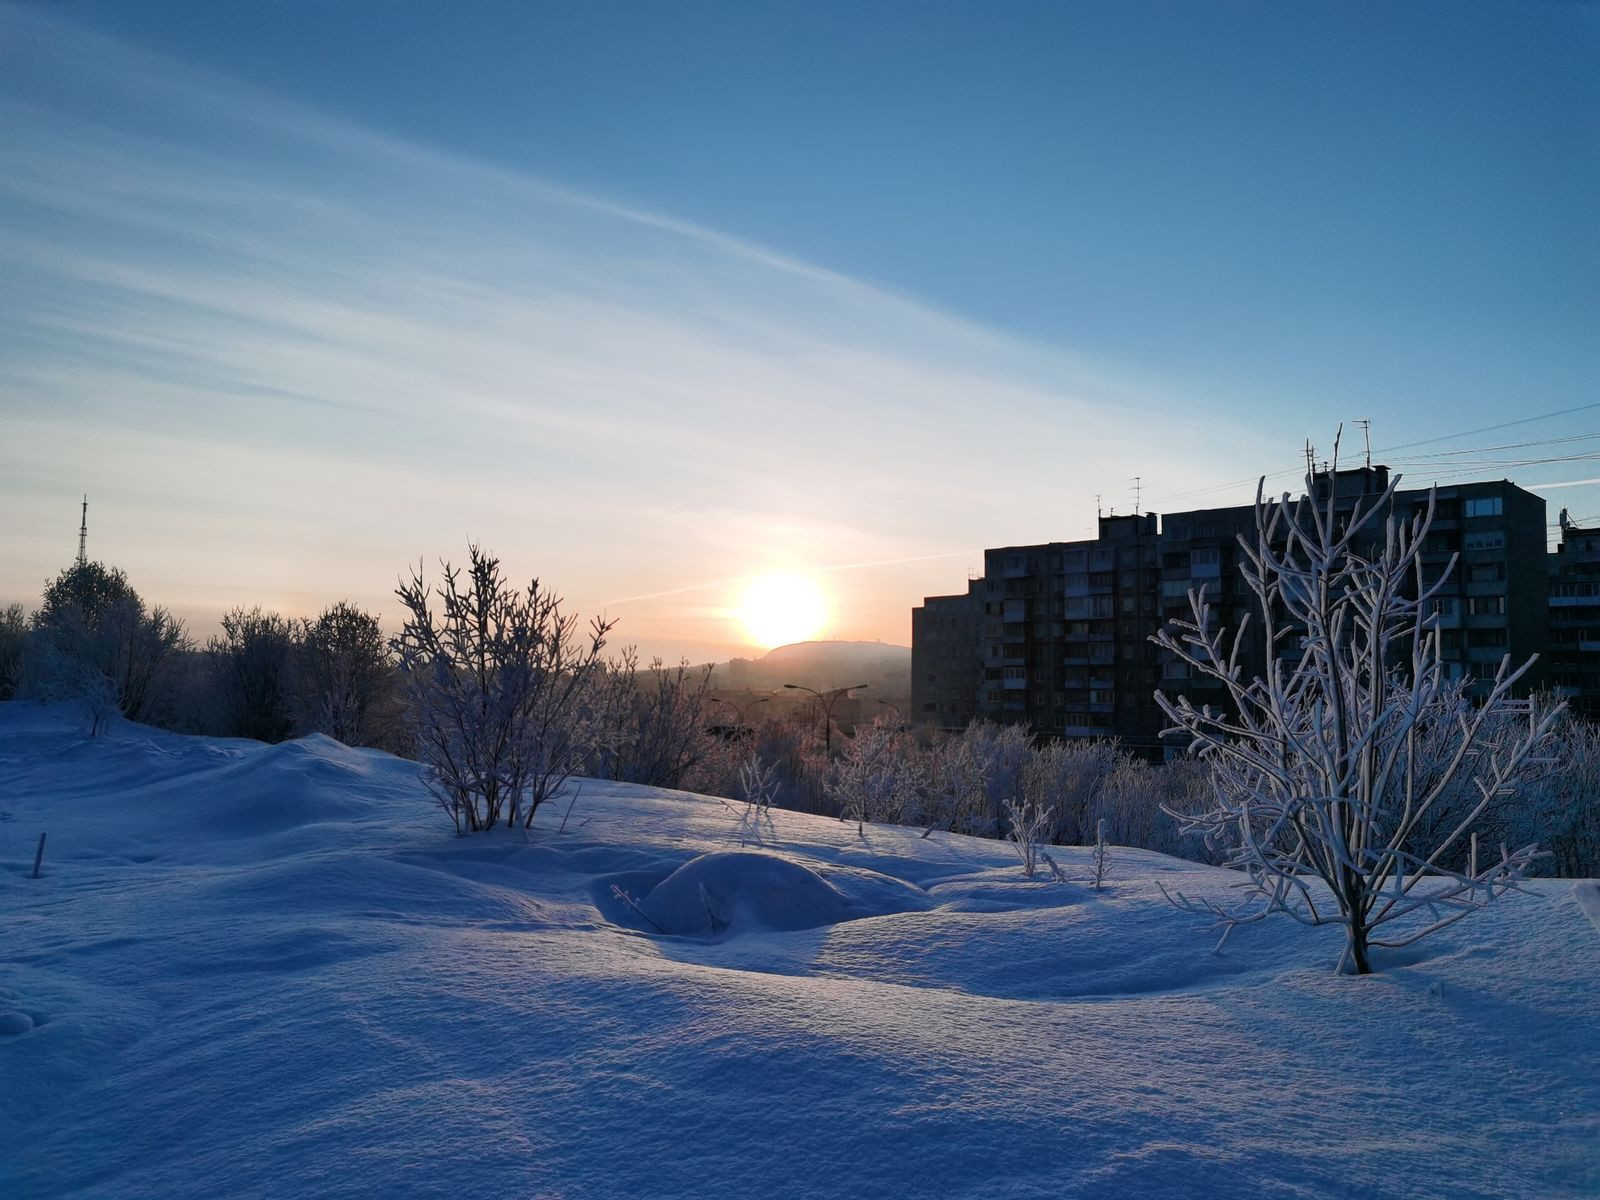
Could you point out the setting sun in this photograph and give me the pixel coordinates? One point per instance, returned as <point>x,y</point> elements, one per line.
<point>779,609</point>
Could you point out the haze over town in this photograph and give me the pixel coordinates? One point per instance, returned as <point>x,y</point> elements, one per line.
<point>659,302</point>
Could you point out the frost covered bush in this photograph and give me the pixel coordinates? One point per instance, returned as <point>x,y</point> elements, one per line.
<point>799,765</point>
<point>252,660</point>
<point>1136,801</point>
<point>499,683</point>
<point>13,642</point>
<point>650,728</point>
<point>1068,777</point>
<point>92,638</point>
<point>957,790</point>
<point>1566,806</point>
<point>880,777</point>
<point>345,682</point>
<point>1330,771</point>
<point>973,780</point>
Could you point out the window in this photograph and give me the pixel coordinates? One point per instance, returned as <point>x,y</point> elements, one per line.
<point>1487,506</point>
<point>1493,539</point>
<point>1205,561</point>
<point>1486,638</point>
<point>1487,606</point>
<point>1486,572</point>
<point>1443,606</point>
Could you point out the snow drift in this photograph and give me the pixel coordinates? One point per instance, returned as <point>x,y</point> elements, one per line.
<point>252,970</point>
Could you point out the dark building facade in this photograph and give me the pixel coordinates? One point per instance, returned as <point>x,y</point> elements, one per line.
<point>1063,636</point>
<point>1575,619</point>
<point>1486,543</point>
<point>946,672</point>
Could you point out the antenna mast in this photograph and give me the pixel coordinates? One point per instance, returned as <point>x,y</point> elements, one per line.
<point>1366,432</point>
<point>83,535</point>
<point>1136,495</point>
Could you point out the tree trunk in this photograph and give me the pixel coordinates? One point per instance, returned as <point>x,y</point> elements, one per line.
<point>1359,963</point>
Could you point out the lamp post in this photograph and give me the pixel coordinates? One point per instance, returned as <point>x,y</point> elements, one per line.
<point>744,725</point>
<point>827,701</point>
<point>899,717</point>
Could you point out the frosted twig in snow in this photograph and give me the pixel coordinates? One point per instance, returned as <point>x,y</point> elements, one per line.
<point>576,792</point>
<point>622,895</point>
<point>1102,856</point>
<point>1029,825</point>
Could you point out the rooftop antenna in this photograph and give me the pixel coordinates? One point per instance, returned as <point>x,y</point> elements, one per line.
<point>1136,495</point>
<point>1311,458</point>
<point>1366,432</point>
<point>1097,510</point>
<point>83,535</point>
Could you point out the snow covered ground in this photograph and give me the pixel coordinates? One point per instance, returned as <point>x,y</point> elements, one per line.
<point>274,971</point>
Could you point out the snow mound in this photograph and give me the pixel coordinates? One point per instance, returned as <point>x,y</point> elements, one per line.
<point>273,789</point>
<point>737,890</point>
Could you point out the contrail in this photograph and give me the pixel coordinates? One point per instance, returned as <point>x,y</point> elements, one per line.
<point>854,566</point>
<point>1534,487</point>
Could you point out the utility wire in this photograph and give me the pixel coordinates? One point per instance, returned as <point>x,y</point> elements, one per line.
<point>1385,453</point>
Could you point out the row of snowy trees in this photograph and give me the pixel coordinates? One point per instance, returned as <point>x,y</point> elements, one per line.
<point>94,640</point>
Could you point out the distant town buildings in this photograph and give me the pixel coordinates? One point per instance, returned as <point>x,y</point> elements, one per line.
<point>1056,636</point>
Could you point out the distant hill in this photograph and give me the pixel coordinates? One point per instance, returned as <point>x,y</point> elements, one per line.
<point>821,665</point>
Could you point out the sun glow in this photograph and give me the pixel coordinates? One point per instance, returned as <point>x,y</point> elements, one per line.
<point>782,608</point>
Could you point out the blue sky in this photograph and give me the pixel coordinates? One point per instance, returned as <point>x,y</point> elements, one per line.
<point>650,297</point>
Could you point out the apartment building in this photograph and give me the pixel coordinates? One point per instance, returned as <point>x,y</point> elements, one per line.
<point>1575,619</point>
<point>1062,637</point>
<point>946,671</point>
<point>1065,636</point>
<point>1486,543</point>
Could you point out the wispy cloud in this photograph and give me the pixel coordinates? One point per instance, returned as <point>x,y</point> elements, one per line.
<point>230,314</point>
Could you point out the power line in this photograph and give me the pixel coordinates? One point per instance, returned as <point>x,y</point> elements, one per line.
<point>1491,428</point>
<point>1383,454</point>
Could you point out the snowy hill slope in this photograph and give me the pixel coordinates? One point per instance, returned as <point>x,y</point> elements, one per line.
<point>273,971</point>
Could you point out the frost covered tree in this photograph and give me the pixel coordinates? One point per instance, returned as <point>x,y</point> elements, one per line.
<point>345,675</point>
<point>1329,768</point>
<point>651,727</point>
<point>1069,776</point>
<point>252,660</point>
<point>13,642</point>
<point>1567,805</point>
<point>880,777</point>
<point>93,638</point>
<point>499,683</point>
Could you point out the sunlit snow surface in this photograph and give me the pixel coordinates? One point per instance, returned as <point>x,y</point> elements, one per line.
<point>274,971</point>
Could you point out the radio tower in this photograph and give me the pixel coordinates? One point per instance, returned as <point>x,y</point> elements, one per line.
<point>83,535</point>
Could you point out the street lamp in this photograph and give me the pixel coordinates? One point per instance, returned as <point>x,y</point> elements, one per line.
<point>899,717</point>
<point>743,725</point>
<point>827,701</point>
